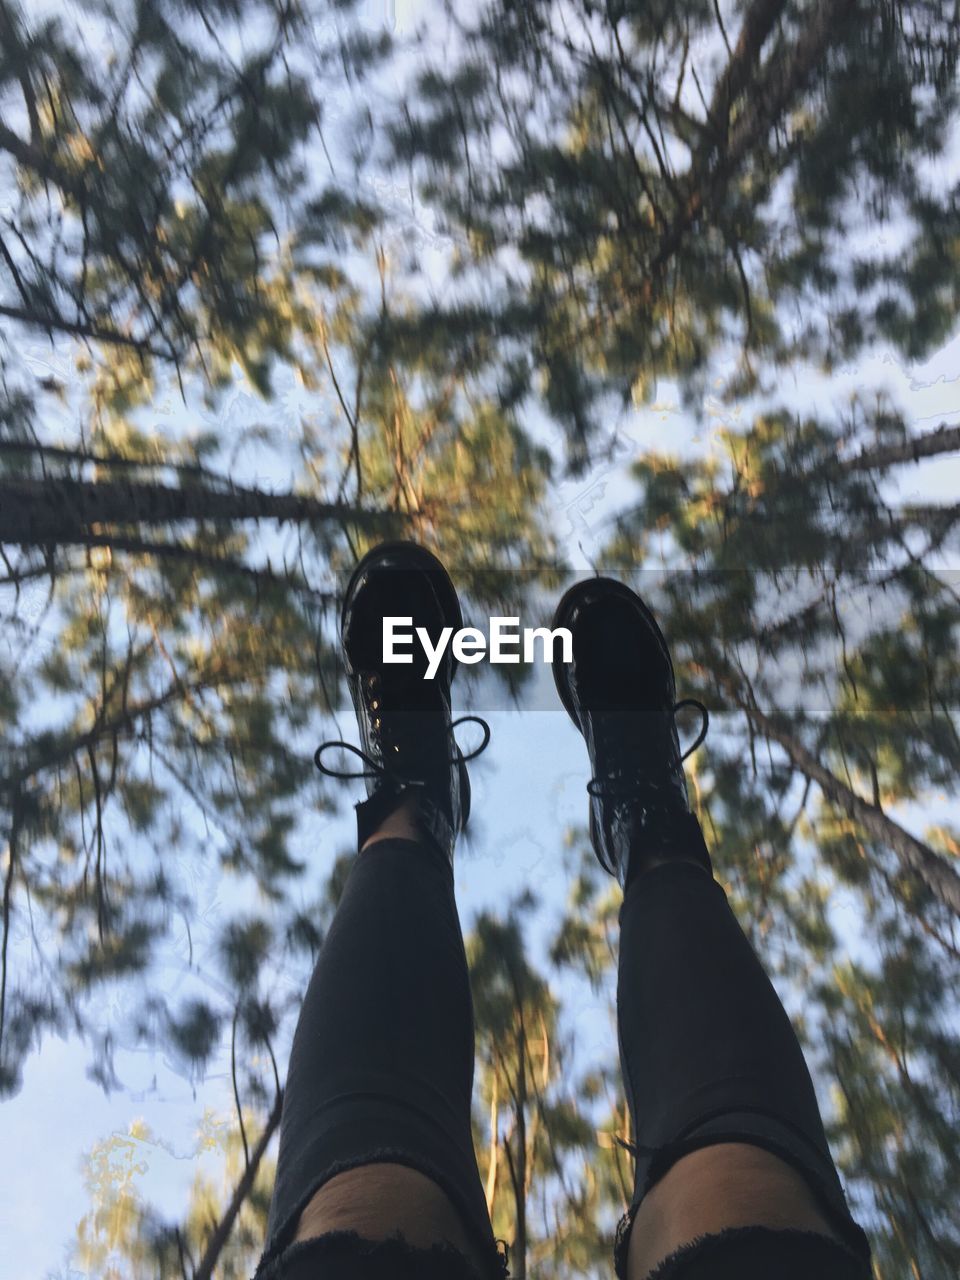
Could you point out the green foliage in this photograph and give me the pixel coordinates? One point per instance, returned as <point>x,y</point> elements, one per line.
<point>196,1031</point>
<point>244,945</point>
<point>801,610</point>
<point>123,1236</point>
<point>668,192</point>
<point>173,164</point>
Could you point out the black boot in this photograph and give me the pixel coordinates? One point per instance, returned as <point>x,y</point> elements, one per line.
<point>621,694</point>
<point>405,721</point>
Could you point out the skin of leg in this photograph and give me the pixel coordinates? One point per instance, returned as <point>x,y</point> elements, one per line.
<point>377,1200</point>
<point>726,1185</point>
<point>729,1184</point>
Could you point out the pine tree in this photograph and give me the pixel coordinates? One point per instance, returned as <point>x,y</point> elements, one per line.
<point>153,177</point>
<point>799,595</point>
<point>532,1133</point>
<point>645,189</point>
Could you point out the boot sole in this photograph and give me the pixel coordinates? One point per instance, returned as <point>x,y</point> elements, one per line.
<point>569,601</point>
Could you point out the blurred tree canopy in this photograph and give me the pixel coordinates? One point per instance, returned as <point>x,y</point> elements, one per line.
<point>200,207</point>
<point>647,187</point>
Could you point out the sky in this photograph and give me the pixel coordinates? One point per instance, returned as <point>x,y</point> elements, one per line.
<point>528,789</point>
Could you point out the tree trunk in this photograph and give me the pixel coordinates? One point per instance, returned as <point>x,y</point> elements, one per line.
<point>263,577</point>
<point>758,22</point>
<point>64,511</point>
<point>520,1190</point>
<point>491,1187</point>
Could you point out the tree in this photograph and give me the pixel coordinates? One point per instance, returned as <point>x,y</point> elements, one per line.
<point>531,1125</point>
<point>655,188</point>
<point>798,594</point>
<point>123,1231</point>
<point>188,665</point>
<point>184,658</point>
<point>195,647</point>
<point>550,1128</point>
<point>152,180</point>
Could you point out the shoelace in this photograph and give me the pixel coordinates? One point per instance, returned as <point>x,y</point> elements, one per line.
<point>605,789</point>
<point>375,770</point>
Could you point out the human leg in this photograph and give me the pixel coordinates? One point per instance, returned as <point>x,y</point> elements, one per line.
<point>729,1134</point>
<point>375,1137</point>
<point>728,1131</point>
<point>381,1070</point>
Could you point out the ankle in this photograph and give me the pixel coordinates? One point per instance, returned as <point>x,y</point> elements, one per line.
<point>642,863</point>
<point>399,824</point>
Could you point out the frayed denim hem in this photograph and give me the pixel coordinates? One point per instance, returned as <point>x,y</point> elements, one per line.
<point>281,1238</point>
<point>854,1238</point>
<point>393,1258</point>
<point>782,1251</point>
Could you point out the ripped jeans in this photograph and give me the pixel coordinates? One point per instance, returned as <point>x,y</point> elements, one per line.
<point>382,1068</point>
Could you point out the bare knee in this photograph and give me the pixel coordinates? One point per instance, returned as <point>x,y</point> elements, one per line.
<point>377,1200</point>
<point>726,1185</point>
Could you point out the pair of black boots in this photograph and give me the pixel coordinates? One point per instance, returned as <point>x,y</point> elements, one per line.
<point>619,691</point>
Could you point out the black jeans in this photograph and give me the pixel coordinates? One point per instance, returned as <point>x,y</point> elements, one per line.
<point>382,1070</point>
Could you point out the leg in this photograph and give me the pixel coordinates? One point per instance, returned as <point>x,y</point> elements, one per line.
<point>714,1189</point>
<point>376,1140</point>
<point>376,1132</point>
<point>378,1200</point>
<point>729,1134</point>
<point>730,1144</point>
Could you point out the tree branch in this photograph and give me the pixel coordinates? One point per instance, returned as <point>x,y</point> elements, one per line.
<point>62,511</point>
<point>935,871</point>
<point>57,750</point>
<point>49,321</point>
<point>770,96</point>
<point>930,444</point>
<point>204,1269</point>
